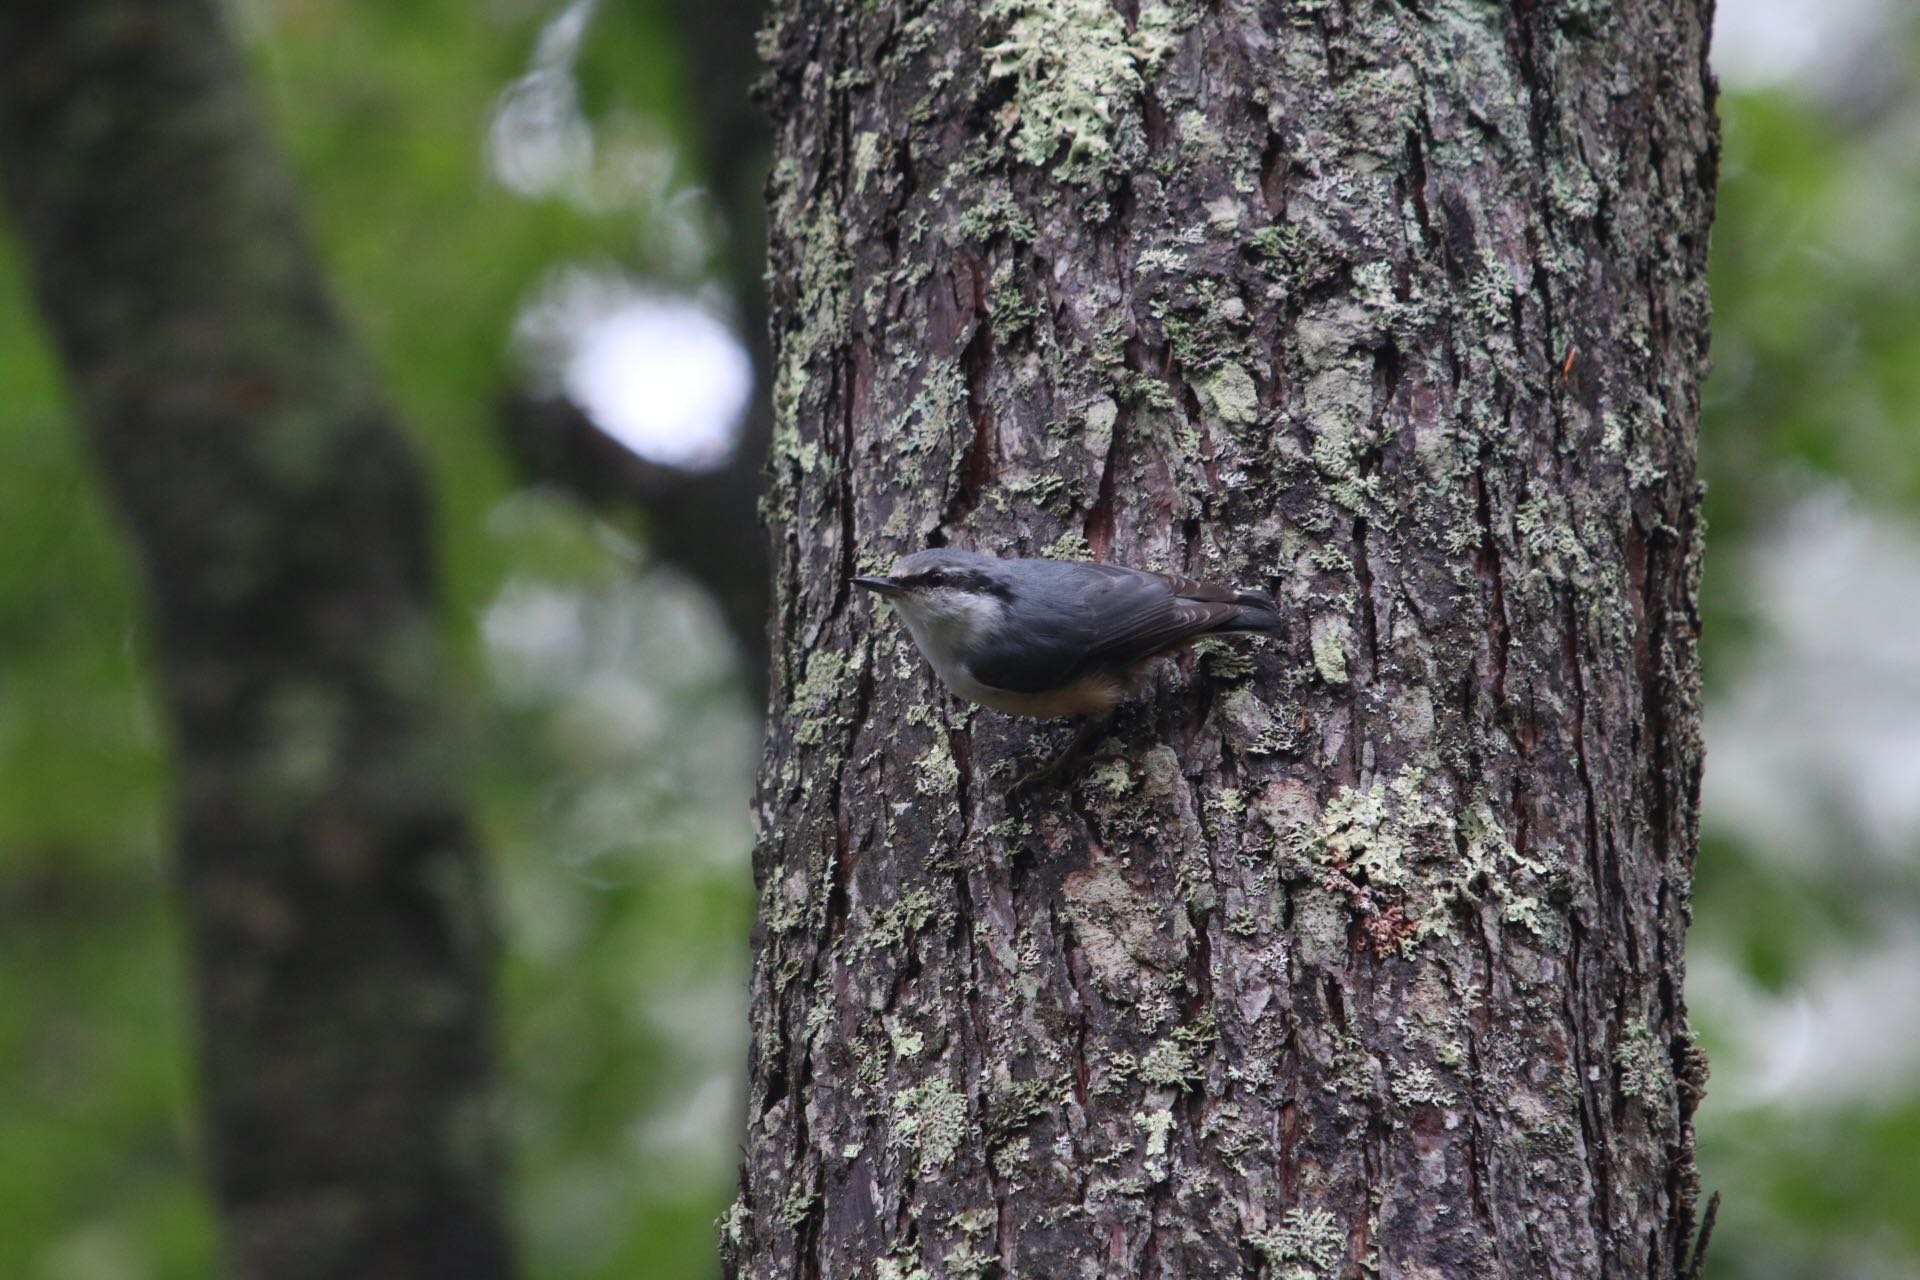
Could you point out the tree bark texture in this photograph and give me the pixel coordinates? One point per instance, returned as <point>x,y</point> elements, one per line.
<point>1360,954</point>
<point>331,877</point>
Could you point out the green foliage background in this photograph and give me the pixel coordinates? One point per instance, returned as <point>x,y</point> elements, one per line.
<point>620,853</point>
<point>620,857</point>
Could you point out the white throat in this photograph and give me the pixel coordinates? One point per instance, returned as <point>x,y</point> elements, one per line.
<point>946,623</point>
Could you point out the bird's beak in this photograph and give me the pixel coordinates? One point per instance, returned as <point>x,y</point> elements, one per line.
<point>884,586</point>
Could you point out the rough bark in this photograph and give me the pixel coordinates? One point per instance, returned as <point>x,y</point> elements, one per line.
<point>340,945</point>
<point>1362,955</point>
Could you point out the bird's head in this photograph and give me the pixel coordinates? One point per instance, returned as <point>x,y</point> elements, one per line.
<point>943,589</point>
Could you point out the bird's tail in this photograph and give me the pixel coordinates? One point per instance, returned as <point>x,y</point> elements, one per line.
<point>1257,613</point>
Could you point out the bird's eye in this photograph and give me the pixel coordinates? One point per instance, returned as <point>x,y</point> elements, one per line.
<point>934,578</point>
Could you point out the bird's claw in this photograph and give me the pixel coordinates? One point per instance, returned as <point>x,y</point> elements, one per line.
<point>1054,766</point>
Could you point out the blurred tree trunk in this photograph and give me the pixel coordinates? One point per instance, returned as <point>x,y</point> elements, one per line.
<point>1363,953</point>
<point>341,944</point>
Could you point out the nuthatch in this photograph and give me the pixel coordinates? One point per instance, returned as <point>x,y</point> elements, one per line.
<point>1055,637</point>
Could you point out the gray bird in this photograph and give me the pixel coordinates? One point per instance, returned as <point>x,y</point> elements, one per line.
<point>1050,638</point>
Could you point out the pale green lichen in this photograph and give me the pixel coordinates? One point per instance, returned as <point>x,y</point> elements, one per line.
<point>819,686</point>
<point>1013,1104</point>
<point>1524,911</point>
<point>937,773</point>
<point>1418,1085</point>
<point>1051,492</point>
<point>1491,862</point>
<point>1012,310</point>
<point>1163,258</point>
<point>1071,545</point>
<point>1231,396</point>
<point>1643,472</point>
<point>1491,291</point>
<point>1227,802</point>
<point>995,214</point>
<point>1375,831</point>
<point>1551,540</point>
<point>912,912</point>
<point>1206,325</point>
<point>1078,76</point>
<point>1113,777</point>
<point>906,1042</point>
<point>964,1260</point>
<point>1337,395</point>
<point>1330,648</point>
<point>1331,559</point>
<point>801,1197</point>
<point>1394,846</point>
<point>870,1059</point>
<point>1157,1125</point>
<point>1646,1071</point>
<point>819,1011</point>
<point>866,157</point>
<point>1306,1245</point>
<point>1224,662</point>
<point>930,1120</point>
<point>1572,189</point>
<point>1613,432</point>
<point>732,1225</point>
<point>1299,255</point>
<point>818,317</point>
<point>1157,32</point>
<point>974,1222</point>
<point>1168,1064</point>
<point>931,418</point>
<point>1010,1159</point>
<point>784,906</point>
<point>899,1269</point>
<point>1200,139</point>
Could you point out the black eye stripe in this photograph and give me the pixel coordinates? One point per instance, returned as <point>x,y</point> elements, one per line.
<point>959,579</point>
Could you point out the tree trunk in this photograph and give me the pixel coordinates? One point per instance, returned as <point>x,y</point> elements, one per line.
<point>1361,953</point>
<point>331,877</point>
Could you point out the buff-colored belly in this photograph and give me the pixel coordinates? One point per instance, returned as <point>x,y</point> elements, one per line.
<point>1093,695</point>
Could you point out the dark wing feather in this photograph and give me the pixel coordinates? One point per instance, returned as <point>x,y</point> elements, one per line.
<point>1192,588</point>
<point>1151,614</point>
<point>1075,618</point>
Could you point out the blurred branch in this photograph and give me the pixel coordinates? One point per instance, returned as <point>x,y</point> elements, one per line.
<point>705,524</point>
<point>331,877</point>
<point>735,142</point>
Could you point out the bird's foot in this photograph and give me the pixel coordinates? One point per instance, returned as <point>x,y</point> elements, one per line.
<point>1055,766</point>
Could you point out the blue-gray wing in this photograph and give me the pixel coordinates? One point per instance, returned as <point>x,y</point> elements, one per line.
<point>1068,619</point>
